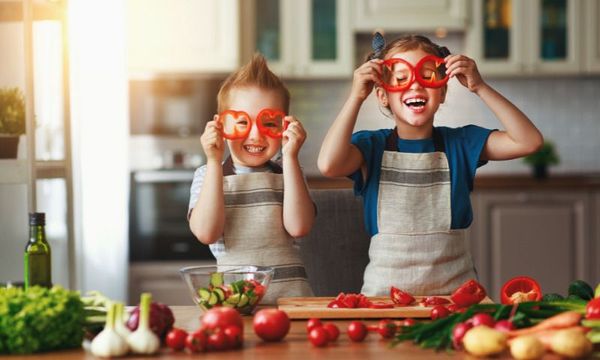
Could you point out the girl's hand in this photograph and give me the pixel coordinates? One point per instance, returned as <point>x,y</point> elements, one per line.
<point>212,140</point>
<point>365,77</point>
<point>465,70</point>
<point>292,138</point>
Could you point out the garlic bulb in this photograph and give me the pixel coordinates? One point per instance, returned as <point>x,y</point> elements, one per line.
<point>143,340</point>
<point>109,343</point>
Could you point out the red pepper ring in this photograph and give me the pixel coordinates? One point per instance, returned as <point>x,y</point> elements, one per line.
<point>415,73</point>
<point>237,124</point>
<point>520,289</point>
<point>469,293</point>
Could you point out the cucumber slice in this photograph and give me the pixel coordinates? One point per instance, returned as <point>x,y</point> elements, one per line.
<point>244,300</point>
<point>233,299</point>
<point>216,279</point>
<point>204,294</point>
<point>220,294</point>
<point>213,299</point>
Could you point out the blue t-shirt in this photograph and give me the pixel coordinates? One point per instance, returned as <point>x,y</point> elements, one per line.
<point>463,148</point>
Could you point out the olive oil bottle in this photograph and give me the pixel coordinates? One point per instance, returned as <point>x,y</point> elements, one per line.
<point>37,253</point>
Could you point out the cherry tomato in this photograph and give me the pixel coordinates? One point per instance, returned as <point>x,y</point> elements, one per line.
<point>176,339</point>
<point>407,322</point>
<point>318,336</point>
<point>235,336</point>
<point>592,309</point>
<point>458,333</point>
<point>271,324</point>
<point>313,323</point>
<point>483,319</point>
<point>401,297</point>
<point>333,332</point>
<point>357,331</point>
<point>196,341</point>
<point>386,328</point>
<point>221,317</point>
<point>439,312</point>
<point>217,340</point>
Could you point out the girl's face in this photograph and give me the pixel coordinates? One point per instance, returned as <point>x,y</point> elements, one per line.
<point>416,105</point>
<point>256,149</point>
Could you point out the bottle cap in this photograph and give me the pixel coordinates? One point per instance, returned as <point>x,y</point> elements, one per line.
<point>37,218</point>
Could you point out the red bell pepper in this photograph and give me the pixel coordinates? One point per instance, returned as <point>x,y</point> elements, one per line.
<point>400,297</point>
<point>433,301</point>
<point>592,309</point>
<point>469,293</point>
<point>520,289</point>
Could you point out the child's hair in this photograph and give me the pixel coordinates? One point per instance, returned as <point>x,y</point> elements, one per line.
<point>255,73</point>
<point>411,42</point>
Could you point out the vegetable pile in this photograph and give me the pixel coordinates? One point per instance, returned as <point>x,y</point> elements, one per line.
<point>40,319</point>
<point>354,301</point>
<point>243,295</point>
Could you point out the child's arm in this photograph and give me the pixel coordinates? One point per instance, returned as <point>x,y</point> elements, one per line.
<point>520,136</point>
<point>298,209</point>
<point>338,157</point>
<point>208,217</point>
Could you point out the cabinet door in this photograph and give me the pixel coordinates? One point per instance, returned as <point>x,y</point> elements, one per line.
<point>592,36</point>
<point>182,36</point>
<point>540,234</point>
<point>408,15</point>
<point>554,36</point>
<point>496,38</point>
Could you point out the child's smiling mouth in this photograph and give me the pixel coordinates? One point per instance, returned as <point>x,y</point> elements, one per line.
<point>255,149</point>
<point>416,104</point>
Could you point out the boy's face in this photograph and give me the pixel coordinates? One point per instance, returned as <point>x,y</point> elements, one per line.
<point>256,149</point>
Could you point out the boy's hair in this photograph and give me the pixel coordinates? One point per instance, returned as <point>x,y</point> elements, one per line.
<point>255,73</point>
<point>412,42</point>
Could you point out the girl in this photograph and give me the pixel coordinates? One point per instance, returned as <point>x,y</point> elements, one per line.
<point>415,179</point>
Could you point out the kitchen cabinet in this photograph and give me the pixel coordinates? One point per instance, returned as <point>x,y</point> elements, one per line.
<point>162,279</point>
<point>546,234</point>
<point>182,36</point>
<point>32,44</point>
<point>300,38</point>
<point>592,36</point>
<point>538,37</point>
<point>407,15</point>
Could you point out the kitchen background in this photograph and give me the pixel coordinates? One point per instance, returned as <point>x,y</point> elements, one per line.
<point>137,95</point>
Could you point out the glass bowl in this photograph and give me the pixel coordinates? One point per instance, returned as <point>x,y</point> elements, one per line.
<point>238,287</point>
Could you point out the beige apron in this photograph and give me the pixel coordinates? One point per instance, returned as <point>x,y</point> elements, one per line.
<point>415,250</point>
<point>254,232</point>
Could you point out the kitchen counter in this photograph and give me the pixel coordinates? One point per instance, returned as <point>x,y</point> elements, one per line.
<point>294,346</point>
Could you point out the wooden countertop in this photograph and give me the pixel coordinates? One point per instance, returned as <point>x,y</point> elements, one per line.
<point>294,346</point>
<point>495,182</point>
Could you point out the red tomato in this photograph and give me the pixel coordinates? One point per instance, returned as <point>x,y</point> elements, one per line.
<point>196,341</point>
<point>217,340</point>
<point>401,297</point>
<point>176,339</point>
<point>520,289</point>
<point>318,336</point>
<point>407,322</point>
<point>386,328</point>
<point>469,293</point>
<point>271,324</point>
<point>313,323</point>
<point>235,336</point>
<point>483,319</point>
<point>439,312</point>
<point>332,331</point>
<point>221,317</point>
<point>357,331</point>
<point>592,309</point>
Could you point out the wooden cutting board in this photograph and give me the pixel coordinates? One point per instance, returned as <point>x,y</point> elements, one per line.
<point>309,307</point>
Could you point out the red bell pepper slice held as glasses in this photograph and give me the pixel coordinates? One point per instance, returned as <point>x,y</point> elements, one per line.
<point>469,293</point>
<point>520,289</point>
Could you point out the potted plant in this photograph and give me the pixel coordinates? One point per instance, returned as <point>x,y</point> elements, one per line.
<point>12,121</point>
<point>541,159</point>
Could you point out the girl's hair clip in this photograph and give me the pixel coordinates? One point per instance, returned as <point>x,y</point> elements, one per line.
<point>377,44</point>
<point>443,51</point>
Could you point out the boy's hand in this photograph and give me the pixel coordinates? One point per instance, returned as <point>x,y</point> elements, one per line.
<point>292,138</point>
<point>212,140</point>
<point>365,77</point>
<point>465,70</point>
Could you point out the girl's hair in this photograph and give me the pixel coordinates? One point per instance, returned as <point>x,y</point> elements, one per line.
<point>411,42</point>
<point>255,73</point>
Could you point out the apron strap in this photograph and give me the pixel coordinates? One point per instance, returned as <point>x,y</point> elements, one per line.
<point>391,142</point>
<point>228,168</point>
